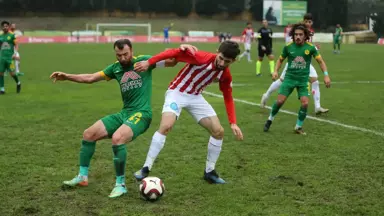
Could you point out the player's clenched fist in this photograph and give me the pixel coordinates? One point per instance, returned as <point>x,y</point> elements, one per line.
<point>141,66</point>
<point>57,76</point>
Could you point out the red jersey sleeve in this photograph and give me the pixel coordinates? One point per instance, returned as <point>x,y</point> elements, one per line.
<point>198,58</point>
<point>244,32</point>
<point>226,89</point>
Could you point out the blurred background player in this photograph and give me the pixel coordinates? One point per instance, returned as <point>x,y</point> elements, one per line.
<point>248,36</point>
<point>16,57</point>
<point>307,19</point>
<point>265,47</point>
<point>337,39</point>
<point>7,52</point>
<point>287,29</point>
<point>166,33</point>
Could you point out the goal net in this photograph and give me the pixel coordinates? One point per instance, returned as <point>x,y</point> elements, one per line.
<point>121,29</point>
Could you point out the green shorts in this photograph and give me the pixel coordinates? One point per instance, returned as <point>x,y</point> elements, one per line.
<point>138,121</point>
<point>337,40</point>
<point>289,85</point>
<point>6,65</point>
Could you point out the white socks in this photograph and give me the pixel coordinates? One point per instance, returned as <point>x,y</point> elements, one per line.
<point>316,94</point>
<point>157,144</point>
<point>214,149</point>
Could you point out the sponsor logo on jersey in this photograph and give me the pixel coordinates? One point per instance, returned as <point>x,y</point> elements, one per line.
<point>299,63</point>
<point>130,80</point>
<point>306,52</point>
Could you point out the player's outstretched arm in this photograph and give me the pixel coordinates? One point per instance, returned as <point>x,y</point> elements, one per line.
<point>323,66</point>
<point>79,78</point>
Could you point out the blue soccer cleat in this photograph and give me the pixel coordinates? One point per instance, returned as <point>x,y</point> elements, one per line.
<point>141,174</point>
<point>213,178</point>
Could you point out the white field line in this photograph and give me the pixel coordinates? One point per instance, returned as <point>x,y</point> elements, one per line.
<point>309,117</point>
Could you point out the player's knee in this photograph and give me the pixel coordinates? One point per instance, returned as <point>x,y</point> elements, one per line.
<point>304,103</point>
<point>119,138</point>
<point>280,102</point>
<point>165,128</point>
<point>247,51</point>
<point>218,133</point>
<point>89,135</point>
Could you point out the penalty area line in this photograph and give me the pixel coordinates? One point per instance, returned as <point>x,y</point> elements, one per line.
<point>309,117</point>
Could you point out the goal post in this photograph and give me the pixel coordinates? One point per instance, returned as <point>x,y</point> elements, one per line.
<point>99,26</point>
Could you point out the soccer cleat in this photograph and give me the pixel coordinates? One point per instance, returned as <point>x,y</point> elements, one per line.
<point>2,92</point>
<point>267,125</point>
<point>213,178</point>
<point>19,74</point>
<point>118,190</point>
<point>263,102</point>
<point>321,110</point>
<point>18,88</point>
<point>300,131</point>
<point>78,180</point>
<point>141,174</point>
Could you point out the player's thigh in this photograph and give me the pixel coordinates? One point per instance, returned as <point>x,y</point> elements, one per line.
<point>282,76</point>
<point>261,53</point>
<point>138,122</point>
<point>287,88</point>
<point>12,66</point>
<point>303,90</point>
<point>112,123</point>
<point>3,65</point>
<point>95,132</point>
<point>174,102</point>
<point>213,126</point>
<point>199,108</point>
<point>312,73</point>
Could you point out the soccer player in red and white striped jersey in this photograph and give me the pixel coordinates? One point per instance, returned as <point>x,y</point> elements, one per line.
<point>247,38</point>
<point>184,92</point>
<point>287,29</point>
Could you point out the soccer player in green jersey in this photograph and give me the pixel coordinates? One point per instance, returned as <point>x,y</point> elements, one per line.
<point>337,39</point>
<point>8,47</point>
<point>124,126</point>
<point>299,53</point>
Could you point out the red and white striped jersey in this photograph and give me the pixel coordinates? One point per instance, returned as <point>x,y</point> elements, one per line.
<point>198,73</point>
<point>312,33</point>
<point>287,29</point>
<point>248,33</point>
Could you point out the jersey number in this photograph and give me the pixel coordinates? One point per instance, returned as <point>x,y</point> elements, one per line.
<point>135,118</point>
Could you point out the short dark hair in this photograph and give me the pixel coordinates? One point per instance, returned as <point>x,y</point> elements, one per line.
<point>249,23</point>
<point>300,26</point>
<point>121,43</point>
<point>308,16</point>
<point>229,49</point>
<point>4,22</point>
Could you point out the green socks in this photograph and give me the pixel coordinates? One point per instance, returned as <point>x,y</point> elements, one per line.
<point>1,83</point>
<point>16,79</point>
<point>274,111</point>
<point>301,117</point>
<point>119,159</point>
<point>86,152</point>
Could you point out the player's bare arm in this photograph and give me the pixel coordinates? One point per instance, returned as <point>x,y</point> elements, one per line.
<point>79,78</point>
<point>323,66</point>
<point>279,62</point>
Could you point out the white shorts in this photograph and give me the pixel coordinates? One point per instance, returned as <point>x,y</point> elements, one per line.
<point>196,105</point>
<point>312,72</point>
<point>247,46</point>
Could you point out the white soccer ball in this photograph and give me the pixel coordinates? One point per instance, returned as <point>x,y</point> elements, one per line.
<point>151,188</point>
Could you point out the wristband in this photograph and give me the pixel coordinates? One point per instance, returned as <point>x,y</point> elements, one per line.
<point>325,73</point>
